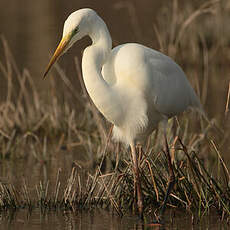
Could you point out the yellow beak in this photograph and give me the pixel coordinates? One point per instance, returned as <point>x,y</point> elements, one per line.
<point>58,52</point>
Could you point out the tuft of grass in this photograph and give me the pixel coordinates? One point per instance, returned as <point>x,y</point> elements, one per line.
<point>197,190</point>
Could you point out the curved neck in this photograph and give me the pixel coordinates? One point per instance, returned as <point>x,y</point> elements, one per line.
<point>93,60</point>
<point>96,55</point>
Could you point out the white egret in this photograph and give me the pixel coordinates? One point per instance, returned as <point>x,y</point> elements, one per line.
<point>133,86</point>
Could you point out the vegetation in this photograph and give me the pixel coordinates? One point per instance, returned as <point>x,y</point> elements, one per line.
<point>30,124</point>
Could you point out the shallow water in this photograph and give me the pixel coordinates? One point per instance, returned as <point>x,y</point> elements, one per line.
<point>99,220</point>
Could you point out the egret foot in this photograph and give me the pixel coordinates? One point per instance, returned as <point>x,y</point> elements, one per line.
<point>157,224</point>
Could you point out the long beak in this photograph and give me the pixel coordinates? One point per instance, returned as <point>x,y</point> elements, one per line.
<point>58,52</point>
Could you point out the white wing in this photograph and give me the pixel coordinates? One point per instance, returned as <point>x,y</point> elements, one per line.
<point>154,74</point>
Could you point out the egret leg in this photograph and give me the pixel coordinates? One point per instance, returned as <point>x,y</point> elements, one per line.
<point>137,182</point>
<point>171,181</point>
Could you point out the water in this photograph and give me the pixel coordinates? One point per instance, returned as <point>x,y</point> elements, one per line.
<point>95,219</point>
<point>100,220</point>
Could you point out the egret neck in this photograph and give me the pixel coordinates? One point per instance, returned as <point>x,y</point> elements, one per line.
<point>94,57</point>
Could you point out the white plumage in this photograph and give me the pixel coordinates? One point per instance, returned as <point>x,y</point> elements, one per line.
<point>151,87</point>
<point>133,86</point>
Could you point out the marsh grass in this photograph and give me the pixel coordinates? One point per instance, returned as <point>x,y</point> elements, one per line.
<point>28,123</point>
<point>197,190</point>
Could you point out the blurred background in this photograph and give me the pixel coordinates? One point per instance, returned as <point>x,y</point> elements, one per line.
<point>196,34</point>
<point>33,30</point>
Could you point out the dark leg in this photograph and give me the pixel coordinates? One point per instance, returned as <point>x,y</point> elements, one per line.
<point>171,178</point>
<point>137,182</point>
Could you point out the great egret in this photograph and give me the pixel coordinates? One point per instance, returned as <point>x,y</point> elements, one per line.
<point>133,86</point>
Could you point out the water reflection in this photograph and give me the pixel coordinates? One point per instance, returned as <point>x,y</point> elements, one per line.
<point>98,219</point>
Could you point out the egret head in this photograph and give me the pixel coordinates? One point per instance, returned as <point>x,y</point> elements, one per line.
<point>76,26</point>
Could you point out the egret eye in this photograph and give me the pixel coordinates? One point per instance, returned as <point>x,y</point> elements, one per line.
<point>75,30</point>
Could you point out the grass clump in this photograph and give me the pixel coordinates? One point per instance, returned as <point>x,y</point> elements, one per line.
<point>197,190</point>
